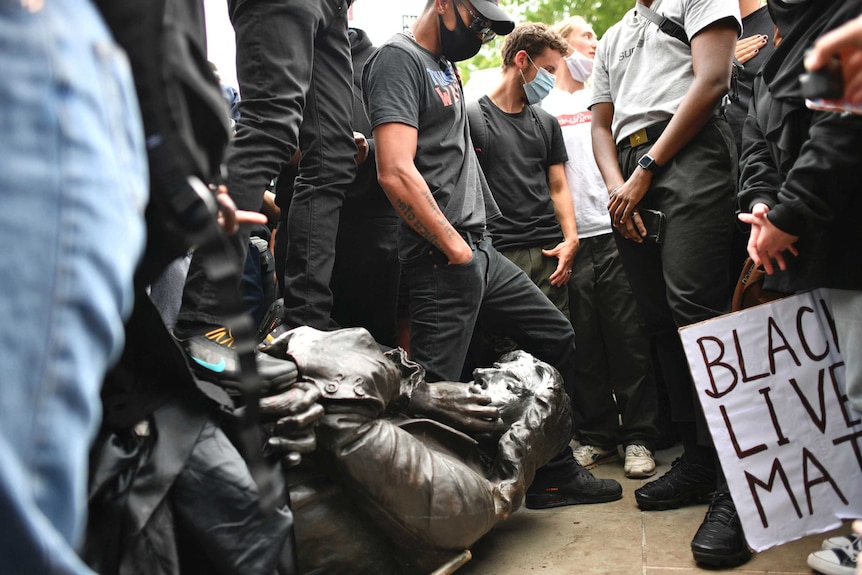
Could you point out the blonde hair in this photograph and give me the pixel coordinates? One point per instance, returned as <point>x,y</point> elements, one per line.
<point>565,27</point>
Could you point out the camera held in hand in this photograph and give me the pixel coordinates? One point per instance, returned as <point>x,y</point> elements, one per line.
<point>827,83</point>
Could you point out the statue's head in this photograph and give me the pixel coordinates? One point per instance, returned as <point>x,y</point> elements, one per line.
<point>517,376</point>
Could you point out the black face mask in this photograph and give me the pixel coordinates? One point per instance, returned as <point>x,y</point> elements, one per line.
<point>461,43</point>
<point>786,14</point>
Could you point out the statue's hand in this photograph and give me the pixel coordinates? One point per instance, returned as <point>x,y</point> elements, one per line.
<point>294,413</point>
<point>457,404</point>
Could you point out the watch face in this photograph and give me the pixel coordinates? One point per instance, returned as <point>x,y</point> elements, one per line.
<point>647,163</point>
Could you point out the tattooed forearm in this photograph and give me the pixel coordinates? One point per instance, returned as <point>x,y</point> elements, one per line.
<point>411,217</point>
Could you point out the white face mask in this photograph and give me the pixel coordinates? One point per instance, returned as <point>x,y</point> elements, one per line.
<point>580,67</point>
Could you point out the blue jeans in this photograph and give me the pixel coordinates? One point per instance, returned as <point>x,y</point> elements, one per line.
<point>847,312</point>
<point>73,187</point>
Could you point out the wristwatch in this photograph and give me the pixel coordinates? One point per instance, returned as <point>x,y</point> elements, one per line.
<point>648,163</point>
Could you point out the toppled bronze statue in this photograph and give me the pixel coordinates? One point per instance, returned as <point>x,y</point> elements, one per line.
<point>406,474</point>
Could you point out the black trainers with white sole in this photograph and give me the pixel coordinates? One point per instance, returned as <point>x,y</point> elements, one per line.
<point>215,360</point>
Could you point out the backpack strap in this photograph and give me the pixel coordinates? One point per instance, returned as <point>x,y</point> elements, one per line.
<point>545,126</point>
<point>478,129</point>
<point>665,24</point>
<point>673,28</point>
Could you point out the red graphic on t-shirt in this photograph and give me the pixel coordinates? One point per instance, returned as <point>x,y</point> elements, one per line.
<point>448,94</point>
<point>575,119</point>
<point>446,85</point>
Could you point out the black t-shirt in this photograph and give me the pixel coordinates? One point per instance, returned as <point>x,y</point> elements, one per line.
<point>758,22</point>
<point>402,82</point>
<point>515,158</point>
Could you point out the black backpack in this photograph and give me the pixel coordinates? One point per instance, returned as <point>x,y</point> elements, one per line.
<point>482,142</point>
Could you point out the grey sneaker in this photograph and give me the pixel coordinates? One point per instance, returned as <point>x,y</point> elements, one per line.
<point>838,561</point>
<point>589,455</point>
<point>639,462</point>
<point>840,542</point>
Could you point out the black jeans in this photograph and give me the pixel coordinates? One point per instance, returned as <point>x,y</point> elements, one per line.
<point>446,301</point>
<point>295,73</point>
<point>366,276</point>
<point>684,280</point>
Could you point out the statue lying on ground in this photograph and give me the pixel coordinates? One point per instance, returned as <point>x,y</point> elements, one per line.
<point>406,474</point>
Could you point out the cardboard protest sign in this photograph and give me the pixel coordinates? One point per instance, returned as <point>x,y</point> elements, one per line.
<point>771,383</point>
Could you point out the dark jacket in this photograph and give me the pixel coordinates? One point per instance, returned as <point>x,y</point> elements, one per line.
<point>806,165</point>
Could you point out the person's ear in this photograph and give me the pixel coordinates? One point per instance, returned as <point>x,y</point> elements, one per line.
<point>521,59</point>
<point>440,6</point>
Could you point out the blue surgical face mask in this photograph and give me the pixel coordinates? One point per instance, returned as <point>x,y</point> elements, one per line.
<point>538,89</point>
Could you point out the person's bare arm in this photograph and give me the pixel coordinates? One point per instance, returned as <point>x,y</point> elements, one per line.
<point>605,153</point>
<point>408,192</point>
<point>564,209</point>
<point>604,146</point>
<point>711,53</point>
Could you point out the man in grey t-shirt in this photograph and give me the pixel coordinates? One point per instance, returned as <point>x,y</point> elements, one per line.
<point>665,146</point>
<point>454,276</point>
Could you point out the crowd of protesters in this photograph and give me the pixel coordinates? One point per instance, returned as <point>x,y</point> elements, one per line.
<point>581,211</point>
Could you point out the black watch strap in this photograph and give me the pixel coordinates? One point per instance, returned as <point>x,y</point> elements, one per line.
<point>647,162</point>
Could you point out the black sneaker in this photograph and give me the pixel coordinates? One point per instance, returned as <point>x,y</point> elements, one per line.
<point>685,484</point>
<point>214,359</point>
<point>720,542</point>
<point>575,488</point>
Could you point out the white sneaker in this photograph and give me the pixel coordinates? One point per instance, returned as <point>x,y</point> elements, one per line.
<point>639,462</point>
<point>589,455</point>
<point>841,561</point>
<point>840,542</point>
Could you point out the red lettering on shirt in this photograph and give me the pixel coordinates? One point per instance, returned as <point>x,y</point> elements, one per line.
<point>575,119</point>
<point>445,95</point>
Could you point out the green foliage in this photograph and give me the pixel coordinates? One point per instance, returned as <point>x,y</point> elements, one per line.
<point>602,14</point>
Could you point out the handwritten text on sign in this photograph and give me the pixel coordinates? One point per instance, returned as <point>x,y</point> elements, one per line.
<point>771,383</point>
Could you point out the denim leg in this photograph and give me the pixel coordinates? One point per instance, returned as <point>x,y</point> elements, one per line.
<point>515,307</point>
<point>294,72</point>
<point>326,170</point>
<point>73,186</point>
<point>444,305</point>
<point>847,312</point>
<point>539,268</point>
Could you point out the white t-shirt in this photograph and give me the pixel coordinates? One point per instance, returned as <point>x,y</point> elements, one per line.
<point>645,72</point>
<point>585,181</point>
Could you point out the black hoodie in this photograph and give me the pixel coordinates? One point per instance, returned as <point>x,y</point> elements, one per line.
<point>364,198</point>
<point>806,165</point>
